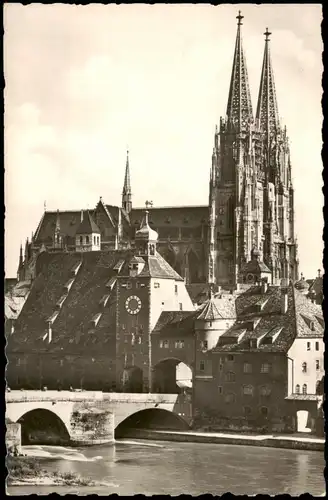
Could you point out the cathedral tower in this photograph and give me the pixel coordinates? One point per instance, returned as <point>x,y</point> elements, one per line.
<point>251,195</point>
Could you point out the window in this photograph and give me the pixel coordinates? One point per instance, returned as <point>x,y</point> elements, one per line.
<point>97,240</point>
<point>220,389</point>
<point>94,240</point>
<point>248,390</point>
<point>129,285</point>
<point>230,357</point>
<point>230,377</point>
<point>61,362</point>
<point>253,343</point>
<point>304,367</point>
<point>204,345</point>
<point>297,389</point>
<point>265,390</point>
<point>264,411</point>
<point>308,346</point>
<point>81,240</point>
<point>229,398</point>
<point>247,368</point>
<point>265,368</point>
<point>180,306</point>
<point>304,389</point>
<point>202,366</point>
<point>87,239</point>
<point>179,344</point>
<point>123,326</point>
<point>176,288</point>
<point>312,326</point>
<point>220,367</point>
<point>164,344</point>
<point>247,410</point>
<point>156,285</point>
<point>317,346</point>
<point>317,364</point>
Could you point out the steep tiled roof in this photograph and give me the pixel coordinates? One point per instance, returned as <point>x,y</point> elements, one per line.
<point>191,216</point>
<point>226,305</point>
<point>308,313</point>
<point>209,312</point>
<point>258,323</point>
<point>13,306</point>
<point>87,225</point>
<point>69,222</point>
<point>317,286</point>
<point>155,267</point>
<point>171,323</point>
<point>10,283</point>
<point>72,330</point>
<point>255,267</point>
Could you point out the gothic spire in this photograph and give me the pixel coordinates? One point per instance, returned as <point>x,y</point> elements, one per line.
<point>239,109</point>
<point>267,108</point>
<point>126,194</point>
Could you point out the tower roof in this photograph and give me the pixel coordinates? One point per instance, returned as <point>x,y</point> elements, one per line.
<point>127,181</point>
<point>239,109</point>
<point>87,225</point>
<point>267,107</point>
<point>146,232</point>
<point>210,312</point>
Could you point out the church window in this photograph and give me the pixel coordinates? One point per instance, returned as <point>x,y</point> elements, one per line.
<point>297,389</point>
<point>81,240</point>
<point>87,239</point>
<point>230,377</point>
<point>304,389</point>
<point>304,367</point>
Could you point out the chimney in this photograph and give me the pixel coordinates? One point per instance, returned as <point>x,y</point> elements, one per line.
<point>284,300</point>
<point>264,287</point>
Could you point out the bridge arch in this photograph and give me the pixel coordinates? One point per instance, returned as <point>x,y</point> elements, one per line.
<point>172,375</point>
<point>43,426</point>
<point>151,419</point>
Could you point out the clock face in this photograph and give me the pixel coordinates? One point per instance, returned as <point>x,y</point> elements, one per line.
<point>133,304</point>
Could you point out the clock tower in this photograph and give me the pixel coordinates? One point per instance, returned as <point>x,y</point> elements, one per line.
<point>146,286</point>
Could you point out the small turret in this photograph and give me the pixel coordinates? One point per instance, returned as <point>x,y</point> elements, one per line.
<point>88,236</point>
<point>146,238</point>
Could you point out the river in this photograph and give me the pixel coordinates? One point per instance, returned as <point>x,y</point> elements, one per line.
<point>150,468</point>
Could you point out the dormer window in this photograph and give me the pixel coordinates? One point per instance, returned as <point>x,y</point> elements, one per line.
<point>253,343</point>
<point>312,326</point>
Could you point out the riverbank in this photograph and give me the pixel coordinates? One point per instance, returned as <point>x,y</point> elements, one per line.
<point>271,441</point>
<point>24,470</point>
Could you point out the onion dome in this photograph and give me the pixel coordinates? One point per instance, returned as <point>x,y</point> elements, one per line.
<point>302,284</point>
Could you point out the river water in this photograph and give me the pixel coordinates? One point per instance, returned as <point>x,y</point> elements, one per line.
<point>150,467</point>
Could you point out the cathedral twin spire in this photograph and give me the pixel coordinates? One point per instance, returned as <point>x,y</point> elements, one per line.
<point>239,108</point>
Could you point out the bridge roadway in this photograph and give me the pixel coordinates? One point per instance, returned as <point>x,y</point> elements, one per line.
<point>91,417</point>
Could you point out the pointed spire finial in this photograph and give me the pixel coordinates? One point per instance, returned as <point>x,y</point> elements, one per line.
<point>239,17</point>
<point>267,34</point>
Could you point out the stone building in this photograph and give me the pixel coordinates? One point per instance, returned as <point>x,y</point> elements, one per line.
<point>251,199</point>
<point>88,319</point>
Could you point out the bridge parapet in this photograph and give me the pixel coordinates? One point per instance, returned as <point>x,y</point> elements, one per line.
<point>30,396</point>
<point>141,398</point>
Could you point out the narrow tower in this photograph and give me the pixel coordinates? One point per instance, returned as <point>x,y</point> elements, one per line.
<point>234,150</point>
<point>280,248</point>
<point>126,193</point>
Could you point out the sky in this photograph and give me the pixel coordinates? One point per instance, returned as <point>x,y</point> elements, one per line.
<point>84,83</point>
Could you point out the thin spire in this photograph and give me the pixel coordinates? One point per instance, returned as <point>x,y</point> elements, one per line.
<point>267,109</point>
<point>239,108</point>
<point>127,182</point>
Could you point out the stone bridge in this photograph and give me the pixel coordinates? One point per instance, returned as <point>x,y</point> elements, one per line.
<point>90,417</point>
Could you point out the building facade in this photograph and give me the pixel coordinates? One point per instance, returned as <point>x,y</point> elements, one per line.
<point>251,199</point>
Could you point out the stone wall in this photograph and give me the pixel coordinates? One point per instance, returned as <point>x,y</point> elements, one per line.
<point>13,438</point>
<point>91,424</point>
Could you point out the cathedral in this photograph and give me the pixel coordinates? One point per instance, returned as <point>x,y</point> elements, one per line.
<point>247,227</point>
